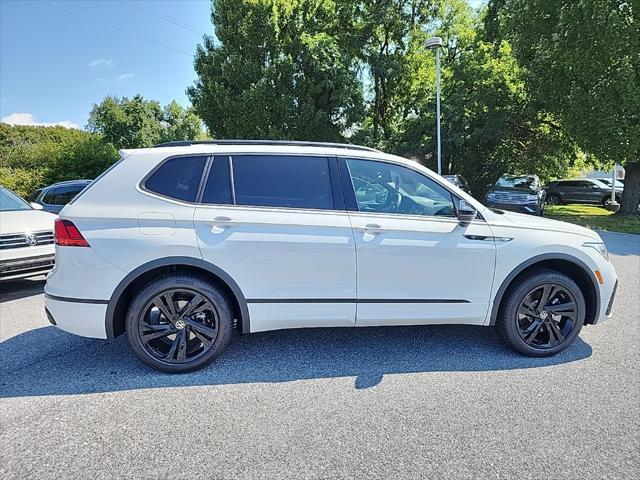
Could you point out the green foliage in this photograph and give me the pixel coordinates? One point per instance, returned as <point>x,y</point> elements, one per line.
<point>31,157</point>
<point>582,59</point>
<point>136,122</point>
<point>278,69</point>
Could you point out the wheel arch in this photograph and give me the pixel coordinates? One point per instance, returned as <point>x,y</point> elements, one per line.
<point>567,264</point>
<point>123,293</point>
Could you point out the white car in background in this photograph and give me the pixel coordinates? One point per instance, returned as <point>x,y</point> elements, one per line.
<point>180,244</point>
<point>26,238</point>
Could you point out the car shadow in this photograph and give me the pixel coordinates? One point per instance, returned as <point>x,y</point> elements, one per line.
<point>46,361</point>
<point>21,288</point>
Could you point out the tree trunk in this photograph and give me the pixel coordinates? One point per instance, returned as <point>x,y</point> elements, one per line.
<point>631,193</point>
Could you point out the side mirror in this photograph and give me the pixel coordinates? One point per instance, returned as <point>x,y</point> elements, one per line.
<point>36,206</point>
<point>466,213</point>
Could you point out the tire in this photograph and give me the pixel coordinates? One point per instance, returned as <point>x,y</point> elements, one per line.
<point>607,200</point>
<point>553,200</point>
<point>182,343</point>
<point>534,335</point>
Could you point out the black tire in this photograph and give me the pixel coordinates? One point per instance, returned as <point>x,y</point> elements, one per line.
<point>553,199</point>
<point>607,200</point>
<point>543,337</point>
<point>197,341</point>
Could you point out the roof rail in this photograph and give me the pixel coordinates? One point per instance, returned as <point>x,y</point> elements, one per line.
<point>186,143</point>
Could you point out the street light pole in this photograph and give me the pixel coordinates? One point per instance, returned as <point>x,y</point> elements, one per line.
<point>435,43</point>
<point>438,110</point>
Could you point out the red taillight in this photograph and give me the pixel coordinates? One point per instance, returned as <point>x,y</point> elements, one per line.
<point>66,234</point>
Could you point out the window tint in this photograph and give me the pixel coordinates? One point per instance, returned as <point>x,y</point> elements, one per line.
<point>64,195</point>
<point>388,188</point>
<point>178,178</point>
<point>218,187</point>
<point>49,197</point>
<point>282,181</point>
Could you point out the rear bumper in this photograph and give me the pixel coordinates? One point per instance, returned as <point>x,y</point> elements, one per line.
<point>79,316</point>
<point>26,266</point>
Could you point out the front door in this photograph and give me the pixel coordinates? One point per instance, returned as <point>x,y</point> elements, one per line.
<point>278,231</point>
<point>415,263</point>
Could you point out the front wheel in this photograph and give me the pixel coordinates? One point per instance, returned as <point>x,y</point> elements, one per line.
<point>542,313</point>
<point>552,200</point>
<point>179,323</point>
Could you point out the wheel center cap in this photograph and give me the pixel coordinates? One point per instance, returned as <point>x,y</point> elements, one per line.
<point>180,324</point>
<point>544,315</point>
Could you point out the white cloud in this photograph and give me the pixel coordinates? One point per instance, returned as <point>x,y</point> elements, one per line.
<point>29,119</point>
<point>102,63</point>
<point>125,76</point>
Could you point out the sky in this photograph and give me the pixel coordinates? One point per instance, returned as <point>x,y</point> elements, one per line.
<point>59,57</point>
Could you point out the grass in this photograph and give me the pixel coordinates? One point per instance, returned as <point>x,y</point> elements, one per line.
<point>594,217</point>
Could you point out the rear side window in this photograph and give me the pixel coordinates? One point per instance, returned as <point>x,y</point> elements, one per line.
<point>282,181</point>
<point>65,194</point>
<point>178,178</point>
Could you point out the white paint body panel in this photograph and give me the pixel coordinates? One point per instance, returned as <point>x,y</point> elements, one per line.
<point>280,253</point>
<point>275,253</point>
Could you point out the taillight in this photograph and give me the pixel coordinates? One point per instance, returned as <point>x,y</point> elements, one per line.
<point>66,234</point>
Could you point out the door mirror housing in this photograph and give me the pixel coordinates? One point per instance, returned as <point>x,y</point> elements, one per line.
<point>466,213</point>
<point>36,206</point>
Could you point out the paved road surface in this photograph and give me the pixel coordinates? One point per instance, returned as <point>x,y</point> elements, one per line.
<point>431,402</point>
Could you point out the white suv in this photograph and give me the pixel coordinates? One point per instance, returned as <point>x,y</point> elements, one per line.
<point>178,245</point>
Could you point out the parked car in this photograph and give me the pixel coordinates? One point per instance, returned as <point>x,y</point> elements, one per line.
<point>583,190</point>
<point>26,238</point>
<point>517,193</point>
<point>205,237</point>
<point>608,182</point>
<point>54,197</point>
<point>459,181</point>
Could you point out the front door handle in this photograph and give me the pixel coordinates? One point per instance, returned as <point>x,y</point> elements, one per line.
<point>373,228</point>
<point>224,222</point>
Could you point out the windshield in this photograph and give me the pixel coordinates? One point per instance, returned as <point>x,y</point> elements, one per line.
<point>10,201</point>
<point>520,183</point>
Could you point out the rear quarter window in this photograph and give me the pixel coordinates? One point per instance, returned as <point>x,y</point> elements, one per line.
<point>177,178</point>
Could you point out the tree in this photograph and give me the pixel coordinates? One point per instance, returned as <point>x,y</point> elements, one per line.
<point>277,69</point>
<point>582,59</point>
<point>32,157</point>
<point>136,122</point>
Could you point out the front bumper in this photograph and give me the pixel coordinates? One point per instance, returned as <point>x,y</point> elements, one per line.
<point>26,266</point>
<point>530,208</point>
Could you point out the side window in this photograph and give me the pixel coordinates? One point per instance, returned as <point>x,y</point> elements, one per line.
<point>65,194</point>
<point>178,178</point>
<point>49,197</point>
<point>282,181</point>
<point>388,188</point>
<point>218,187</point>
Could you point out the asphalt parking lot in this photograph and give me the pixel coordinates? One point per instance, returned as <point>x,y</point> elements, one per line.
<point>429,402</point>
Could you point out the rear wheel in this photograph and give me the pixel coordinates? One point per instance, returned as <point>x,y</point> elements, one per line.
<point>179,323</point>
<point>542,313</point>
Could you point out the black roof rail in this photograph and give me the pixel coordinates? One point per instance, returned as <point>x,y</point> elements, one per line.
<point>186,143</point>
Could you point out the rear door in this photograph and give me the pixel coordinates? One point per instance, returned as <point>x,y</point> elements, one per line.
<point>276,226</point>
<point>415,263</point>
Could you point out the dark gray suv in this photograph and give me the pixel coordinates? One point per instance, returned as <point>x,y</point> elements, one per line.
<point>583,190</point>
<point>54,197</point>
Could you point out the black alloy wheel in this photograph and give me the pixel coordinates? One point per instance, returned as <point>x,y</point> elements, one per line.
<point>552,200</point>
<point>541,313</point>
<point>546,316</point>
<point>177,326</point>
<point>179,323</point>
